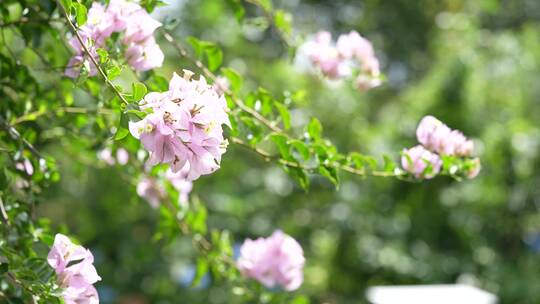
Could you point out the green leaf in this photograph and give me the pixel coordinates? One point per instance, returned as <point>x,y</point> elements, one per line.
<point>67,4</point>
<point>238,8</point>
<point>4,267</point>
<point>103,55</point>
<point>299,176</point>
<point>121,133</point>
<point>213,54</point>
<point>265,4</point>
<point>138,91</point>
<point>284,114</point>
<point>202,269</point>
<point>331,173</point>
<point>113,72</point>
<point>281,142</point>
<point>234,78</point>
<point>158,83</point>
<point>389,164</point>
<point>300,147</point>
<point>300,300</point>
<point>283,21</point>
<point>362,161</point>
<point>81,13</point>
<point>314,129</point>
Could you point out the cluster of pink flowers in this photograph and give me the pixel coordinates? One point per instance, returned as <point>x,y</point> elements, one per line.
<point>184,129</point>
<point>276,261</point>
<point>142,51</point>
<point>437,139</point>
<point>75,271</point>
<point>351,55</point>
<point>152,189</point>
<point>106,155</point>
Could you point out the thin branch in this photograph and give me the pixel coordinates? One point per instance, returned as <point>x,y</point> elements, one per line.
<point>85,48</point>
<point>270,16</point>
<point>25,20</point>
<point>268,157</point>
<point>73,110</point>
<point>208,74</point>
<point>17,136</point>
<point>5,218</point>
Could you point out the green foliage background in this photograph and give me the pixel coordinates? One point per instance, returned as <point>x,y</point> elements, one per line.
<point>473,64</point>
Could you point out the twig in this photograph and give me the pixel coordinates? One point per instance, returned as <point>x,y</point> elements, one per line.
<point>15,135</point>
<point>268,157</point>
<point>207,73</point>
<point>85,48</point>
<point>25,20</point>
<point>271,20</point>
<point>73,110</point>
<point>5,217</point>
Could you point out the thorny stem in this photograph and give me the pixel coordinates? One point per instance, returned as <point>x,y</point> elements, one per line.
<point>85,48</point>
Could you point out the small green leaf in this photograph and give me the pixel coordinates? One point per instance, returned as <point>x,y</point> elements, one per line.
<point>214,55</point>
<point>202,269</point>
<point>281,142</point>
<point>300,300</point>
<point>362,161</point>
<point>283,21</point>
<point>284,114</point>
<point>234,78</point>
<point>81,13</point>
<point>300,147</point>
<point>314,129</point>
<point>331,173</point>
<point>121,133</point>
<point>299,176</point>
<point>238,8</point>
<point>265,4</point>
<point>4,267</point>
<point>67,4</point>
<point>138,91</point>
<point>113,72</point>
<point>103,55</point>
<point>389,164</point>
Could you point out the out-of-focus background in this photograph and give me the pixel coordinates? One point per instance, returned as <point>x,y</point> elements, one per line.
<point>473,64</point>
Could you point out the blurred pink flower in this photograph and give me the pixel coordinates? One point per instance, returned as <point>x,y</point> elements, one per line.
<point>75,271</point>
<point>25,166</point>
<point>438,137</point>
<point>325,56</point>
<point>153,192</point>
<point>140,27</point>
<point>122,156</point>
<point>351,56</point>
<point>417,159</point>
<point>180,182</point>
<point>274,261</point>
<point>142,52</point>
<point>105,155</point>
<point>144,56</point>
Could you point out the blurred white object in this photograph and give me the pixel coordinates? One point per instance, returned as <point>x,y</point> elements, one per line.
<point>429,294</point>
